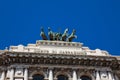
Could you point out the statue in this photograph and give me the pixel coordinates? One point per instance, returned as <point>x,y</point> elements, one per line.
<point>65,34</point>
<point>58,36</point>
<point>70,38</point>
<point>50,34</point>
<point>42,34</point>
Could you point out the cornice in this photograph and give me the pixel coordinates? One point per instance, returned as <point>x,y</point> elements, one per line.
<point>9,58</point>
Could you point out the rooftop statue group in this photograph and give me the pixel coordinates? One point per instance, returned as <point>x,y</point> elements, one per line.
<point>58,36</point>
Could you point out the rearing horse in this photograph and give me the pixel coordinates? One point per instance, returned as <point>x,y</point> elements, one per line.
<point>65,34</point>
<point>51,34</point>
<point>58,36</point>
<point>72,36</point>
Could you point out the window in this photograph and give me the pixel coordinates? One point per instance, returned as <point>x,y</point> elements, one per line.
<point>62,77</point>
<point>38,77</point>
<point>85,78</point>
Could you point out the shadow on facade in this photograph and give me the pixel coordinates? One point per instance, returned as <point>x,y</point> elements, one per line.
<point>38,77</point>
<point>62,77</point>
<point>85,78</point>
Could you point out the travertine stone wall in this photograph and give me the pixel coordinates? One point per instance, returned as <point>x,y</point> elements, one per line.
<point>26,73</point>
<point>58,47</point>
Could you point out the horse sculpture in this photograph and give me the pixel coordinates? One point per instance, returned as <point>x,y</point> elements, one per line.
<point>50,34</point>
<point>72,36</point>
<point>65,34</point>
<point>58,36</point>
<point>42,34</point>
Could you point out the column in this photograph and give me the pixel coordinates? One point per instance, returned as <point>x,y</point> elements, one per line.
<point>110,75</point>
<point>12,74</point>
<point>3,76</point>
<point>97,75</point>
<point>8,73</point>
<point>50,74</point>
<point>116,78</point>
<point>74,75</point>
<point>26,74</point>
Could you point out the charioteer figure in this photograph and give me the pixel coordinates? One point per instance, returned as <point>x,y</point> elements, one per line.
<point>42,34</point>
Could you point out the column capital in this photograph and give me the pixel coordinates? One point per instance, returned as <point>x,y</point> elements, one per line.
<point>74,69</point>
<point>50,68</point>
<point>3,69</point>
<point>26,66</point>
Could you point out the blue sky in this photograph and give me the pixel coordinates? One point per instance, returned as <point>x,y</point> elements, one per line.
<point>97,22</point>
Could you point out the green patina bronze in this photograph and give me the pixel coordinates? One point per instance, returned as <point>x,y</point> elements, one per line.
<point>42,34</point>
<point>65,35</point>
<point>58,36</point>
<point>50,34</point>
<point>72,36</point>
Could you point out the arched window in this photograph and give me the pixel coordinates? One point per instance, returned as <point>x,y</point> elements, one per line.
<point>38,77</point>
<point>62,77</point>
<point>85,78</point>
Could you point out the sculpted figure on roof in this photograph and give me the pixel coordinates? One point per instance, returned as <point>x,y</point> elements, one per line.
<point>50,34</point>
<point>58,36</point>
<point>72,36</point>
<point>54,36</point>
<point>64,35</point>
<point>42,34</point>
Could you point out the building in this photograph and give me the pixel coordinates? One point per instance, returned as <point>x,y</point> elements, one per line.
<point>57,60</point>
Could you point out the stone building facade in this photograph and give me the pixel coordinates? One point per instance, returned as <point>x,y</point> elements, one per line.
<point>57,60</point>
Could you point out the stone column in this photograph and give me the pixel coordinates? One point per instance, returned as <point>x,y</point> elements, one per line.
<point>97,75</point>
<point>74,75</point>
<point>110,75</point>
<point>116,78</point>
<point>8,73</point>
<point>3,76</point>
<point>12,74</point>
<point>26,74</point>
<point>50,74</point>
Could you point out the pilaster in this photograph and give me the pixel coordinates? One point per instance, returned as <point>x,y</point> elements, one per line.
<point>26,74</point>
<point>50,74</point>
<point>98,75</point>
<point>74,75</point>
<point>3,75</point>
<point>12,74</point>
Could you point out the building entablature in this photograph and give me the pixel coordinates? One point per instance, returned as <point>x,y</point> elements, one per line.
<point>9,58</point>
